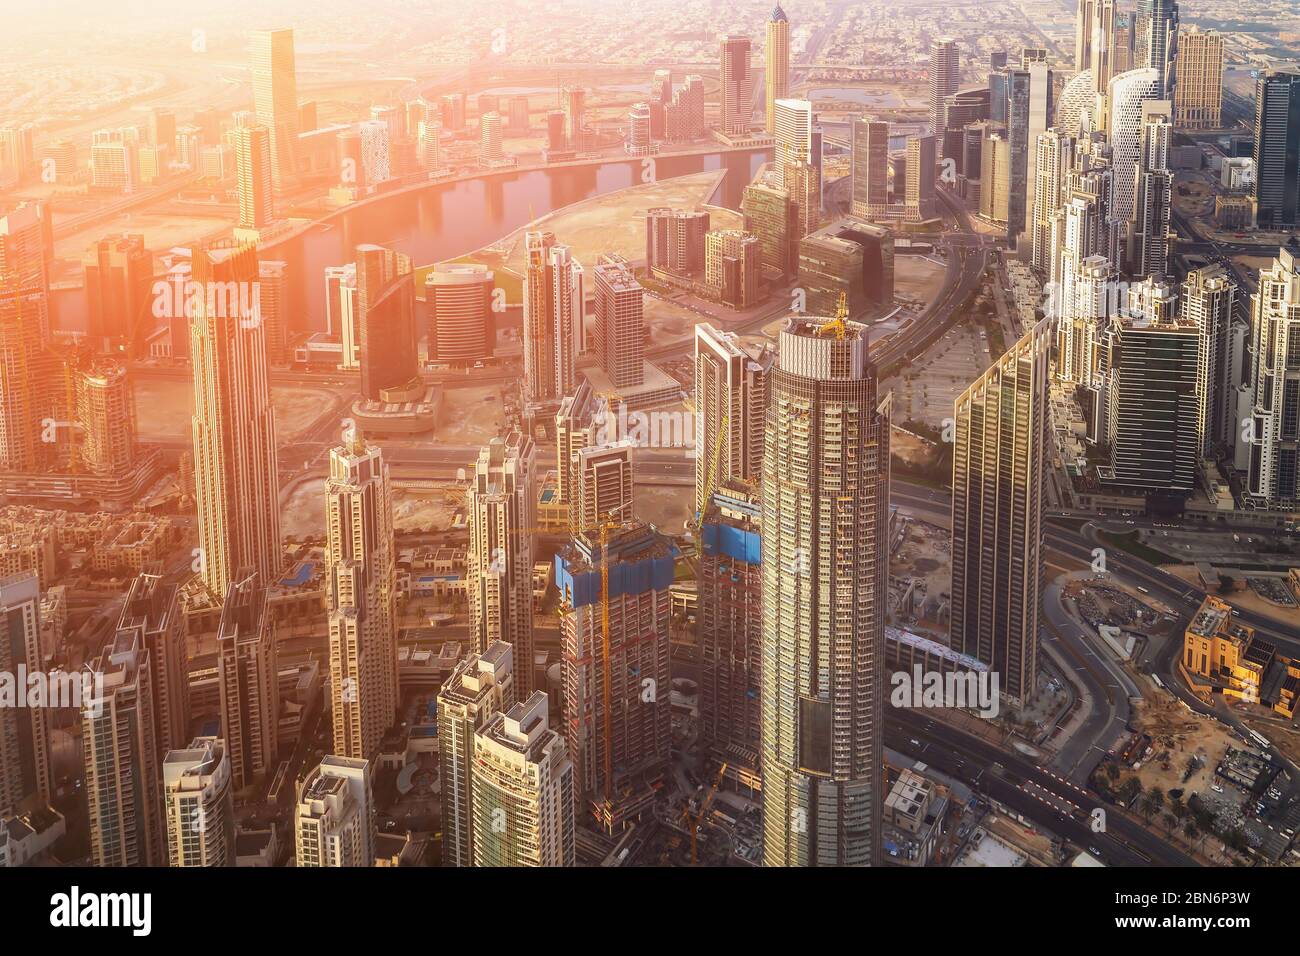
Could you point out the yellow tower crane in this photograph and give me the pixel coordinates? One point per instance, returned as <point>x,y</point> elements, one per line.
<point>706,800</point>
<point>611,523</point>
<point>837,326</point>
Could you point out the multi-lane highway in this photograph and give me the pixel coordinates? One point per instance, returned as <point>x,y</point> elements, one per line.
<point>1040,795</point>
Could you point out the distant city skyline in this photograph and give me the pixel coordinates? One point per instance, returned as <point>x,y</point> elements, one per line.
<point>586,435</point>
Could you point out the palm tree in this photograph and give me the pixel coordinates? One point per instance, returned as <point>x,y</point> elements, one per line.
<point>1155,799</point>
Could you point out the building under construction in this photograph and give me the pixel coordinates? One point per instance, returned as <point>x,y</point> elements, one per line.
<point>731,630</point>
<point>615,617</point>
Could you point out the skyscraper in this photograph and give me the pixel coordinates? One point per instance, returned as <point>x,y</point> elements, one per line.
<point>1148,252</point>
<point>522,790</point>
<point>615,616</point>
<point>105,417</point>
<point>275,99</point>
<point>25,775</point>
<point>945,77</point>
<point>730,405</point>
<point>499,564</point>
<point>684,116</point>
<point>1019,144</point>
<point>803,183</point>
<point>1033,89</point>
<point>341,312</point>
<point>640,131</point>
<point>730,588</point>
<point>1198,95</point>
<point>568,310</point>
<point>1162,44</point>
<point>1088,289</point>
<point>620,326</point>
<point>334,821</point>
<point>794,122</point>
<point>849,258</point>
<point>119,280</point>
<point>773,218</point>
<point>1277,150</point>
<point>960,110</point>
<point>16,141</point>
<point>235,476</point>
<point>580,423</point>
<point>115,159</point>
<point>998,471</point>
<point>919,205</point>
<point>870,172</point>
<point>1207,302</point>
<point>25,371</point>
<point>26,254</point>
<point>776,52</point>
<point>489,152</point>
<point>374,150</point>
<point>825,582</point>
<point>427,145</point>
<point>995,175</point>
<point>152,614</point>
<point>674,240</point>
<point>361,598</point>
<point>1054,150</point>
<point>734,109</point>
<point>1153,402</point>
<point>1079,272</point>
<point>573,104</point>
<point>480,686</point>
<point>1098,18</point>
<point>1079,108</point>
<point>1085,15</point>
<point>385,317</point>
<point>1274,429</point>
<point>199,805</point>
<point>1129,94</point>
<point>603,482</point>
<point>248,680</point>
<point>272,299</point>
<point>458,297</point>
<point>553,319</point>
<point>120,740</point>
<point>253,164</point>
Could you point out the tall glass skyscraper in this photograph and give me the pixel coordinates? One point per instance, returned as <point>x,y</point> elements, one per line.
<point>825,515</point>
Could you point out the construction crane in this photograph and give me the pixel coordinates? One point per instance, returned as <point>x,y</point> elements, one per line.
<point>837,326</point>
<point>705,801</point>
<point>611,523</point>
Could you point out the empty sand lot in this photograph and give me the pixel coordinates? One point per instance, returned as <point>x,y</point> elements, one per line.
<point>164,408</point>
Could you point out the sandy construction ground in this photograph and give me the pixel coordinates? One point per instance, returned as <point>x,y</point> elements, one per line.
<point>303,514</point>
<point>614,222</point>
<point>159,231</point>
<point>917,277</point>
<point>471,416</point>
<point>666,507</point>
<point>1243,597</point>
<point>164,408</point>
<point>666,321</point>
